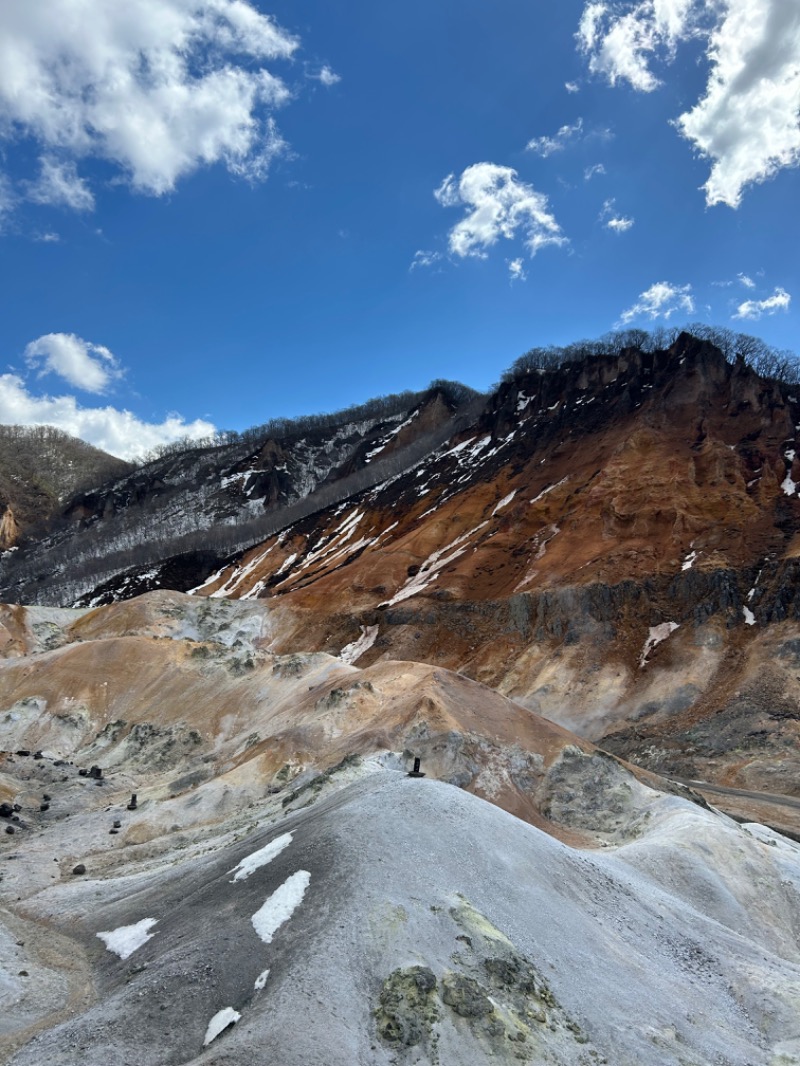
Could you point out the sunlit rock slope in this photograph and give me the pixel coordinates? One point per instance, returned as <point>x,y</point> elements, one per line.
<point>613,544</point>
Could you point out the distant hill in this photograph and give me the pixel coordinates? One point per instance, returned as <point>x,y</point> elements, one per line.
<point>40,468</point>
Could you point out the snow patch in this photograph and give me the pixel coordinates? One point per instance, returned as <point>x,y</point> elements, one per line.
<point>432,566</point>
<point>789,486</point>
<point>654,637</point>
<point>260,858</point>
<point>281,905</point>
<point>749,617</point>
<point>261,981</point>
<point>351,652</point>
<point>689,561</point>
<point>128,938</point>
<point>219,1023</point>
<point>550,488</point>
<point>504,502</point>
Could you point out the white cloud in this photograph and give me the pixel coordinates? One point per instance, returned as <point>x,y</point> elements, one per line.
<point>747,121</point>
<point>118,432</point>
<point>621,43</point>
<point>7,199</point>
<point>328,77</point>
<point>611,220</point>
<point>50,237</point>
<point>90,367</point>
<point>498,205</point>
<point>572,86</point>
<point>516,270</point>
<point>746,281</point>
<point>545,146</point>
<point>424,259</point>
<point>60,186</point>
<point>779,301</point>
<point>593,171</point>
<point>619,224</point>
<point>156,87</point>
<point>660,301</point>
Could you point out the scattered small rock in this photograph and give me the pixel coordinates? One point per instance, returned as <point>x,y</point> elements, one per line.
<point>79,869</point>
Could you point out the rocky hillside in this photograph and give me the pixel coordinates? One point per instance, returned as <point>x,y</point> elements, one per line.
<point>199,503</point>
<point>40,469</point>
<point>281,888</point>
<point>612,543</point>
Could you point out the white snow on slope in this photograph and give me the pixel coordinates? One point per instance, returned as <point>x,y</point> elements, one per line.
<point>654,637</point>
<point>749,617</point>
<point>689,561</point>
<point>550,488</point>
<point>260,858</point>
<point>219,1023</point>
<point>281,905</point>
<point>432,566</point>
<point>261,981</point>
<point>789,486</point>
<point>504,502</point>
<point>351,652</point>
<point>128,938</point>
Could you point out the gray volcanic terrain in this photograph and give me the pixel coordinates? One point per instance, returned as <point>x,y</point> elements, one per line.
<point>575,601</point>
<point>283,892</point>
<point>404,921</point>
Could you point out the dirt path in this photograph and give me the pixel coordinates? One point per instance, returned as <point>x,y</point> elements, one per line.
<point>64,958</point>
<point>759,797</point>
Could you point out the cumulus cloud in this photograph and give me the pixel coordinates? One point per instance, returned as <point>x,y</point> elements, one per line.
<point>753,309</point>
<point>498,205</point>
<point>545,146</point>
<point>116,431</point>
<point>660,301</point>
<point>613,221</point>
<point>90,367</point>
<point>156,87</point>
<point>747,121</point>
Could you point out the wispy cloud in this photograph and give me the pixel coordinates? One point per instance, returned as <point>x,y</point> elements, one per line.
<point>59,185</point>
<point>746,281</point>
<point>754,309</point>
<point>611,220</point>
<point>660,301</point>
<point>498,205</point>
<point>327,77</point>
<point>746,121</point>
<point>545,146</point>
<point>572,86</point>
<point>516,270</point>
<point>594,171</point>
<point>425,259</point>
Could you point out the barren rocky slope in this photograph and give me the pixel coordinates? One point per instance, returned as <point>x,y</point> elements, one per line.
<point>614,545</point>
<point>283,892</point>
<point>201,501</point>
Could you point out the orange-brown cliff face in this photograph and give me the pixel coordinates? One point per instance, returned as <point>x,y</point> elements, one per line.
<point>605,544</point>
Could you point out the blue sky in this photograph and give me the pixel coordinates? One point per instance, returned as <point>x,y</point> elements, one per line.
<point>214,212</point>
